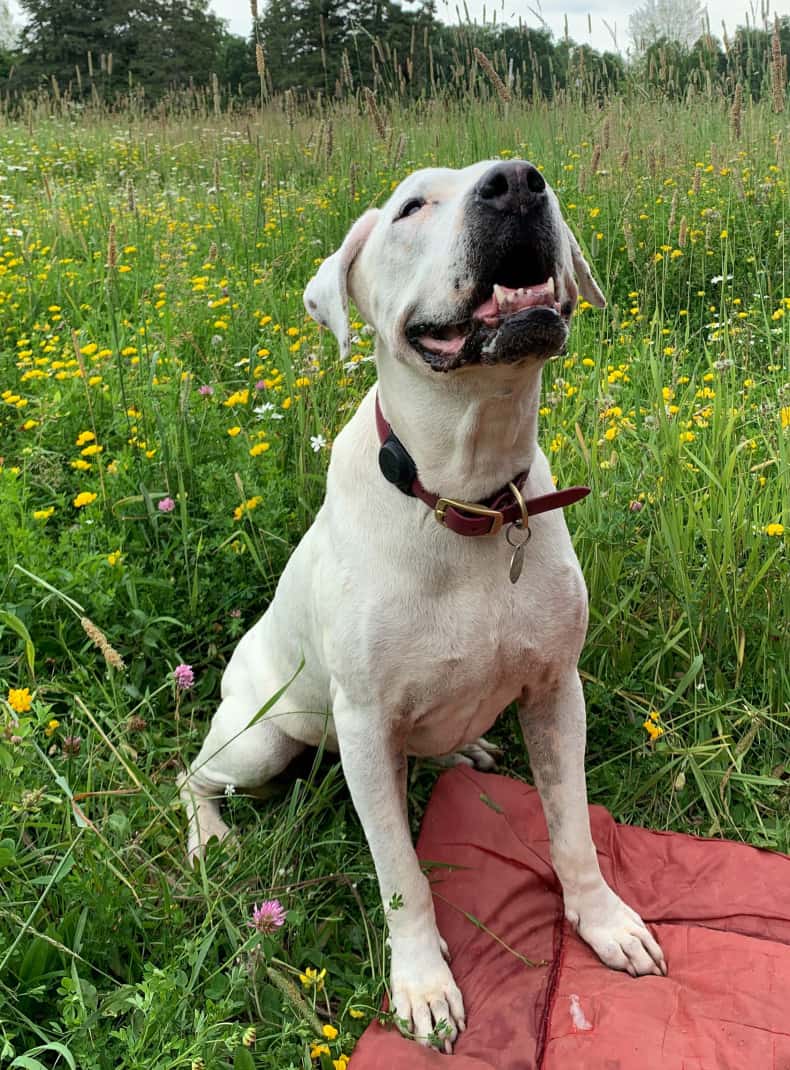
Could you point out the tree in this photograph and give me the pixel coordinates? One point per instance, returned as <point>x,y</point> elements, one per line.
<point>327,44</point>
<point>680,21</point>
<point>153,42</point>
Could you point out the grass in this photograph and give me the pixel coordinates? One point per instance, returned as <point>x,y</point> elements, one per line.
<point>673,404</point>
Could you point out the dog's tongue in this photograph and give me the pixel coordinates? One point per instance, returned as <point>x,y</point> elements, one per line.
<point>504,301</point>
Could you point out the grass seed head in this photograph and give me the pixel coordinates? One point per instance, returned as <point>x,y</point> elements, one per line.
<point>99,639</point>
<point>502,90</point>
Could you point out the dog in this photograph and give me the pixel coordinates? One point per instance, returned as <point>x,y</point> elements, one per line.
<point>403,603</point>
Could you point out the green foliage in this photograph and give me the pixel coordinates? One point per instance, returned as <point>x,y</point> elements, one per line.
<point>104,46</point>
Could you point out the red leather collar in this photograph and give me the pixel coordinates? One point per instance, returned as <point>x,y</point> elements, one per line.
<point>479,518</point>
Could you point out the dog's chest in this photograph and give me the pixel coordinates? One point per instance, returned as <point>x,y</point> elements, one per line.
<point>464,654</point>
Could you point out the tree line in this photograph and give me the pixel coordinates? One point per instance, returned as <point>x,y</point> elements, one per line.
<point>100,48</point>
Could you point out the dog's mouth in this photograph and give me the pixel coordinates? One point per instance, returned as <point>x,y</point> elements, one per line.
<point>506,323</point>
<point>446,340</point>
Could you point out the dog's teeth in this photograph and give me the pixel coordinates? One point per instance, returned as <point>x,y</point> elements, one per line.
<point>550,285</point>
<point>520,292</point>
<point>500,295</point>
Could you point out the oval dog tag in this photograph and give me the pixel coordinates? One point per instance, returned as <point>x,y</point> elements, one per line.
<point>517,559</point>
<point>517,562</point>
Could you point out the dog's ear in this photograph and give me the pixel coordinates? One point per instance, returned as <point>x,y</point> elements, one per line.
<point>588,287</point>
<point>326,295</point>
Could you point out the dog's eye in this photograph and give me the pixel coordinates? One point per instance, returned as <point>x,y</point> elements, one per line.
<point>410,207</point>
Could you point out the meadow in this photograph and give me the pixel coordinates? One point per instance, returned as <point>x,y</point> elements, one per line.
<point>166,416</point>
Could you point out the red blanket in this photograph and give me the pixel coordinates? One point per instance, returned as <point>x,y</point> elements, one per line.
<point>721,912</point>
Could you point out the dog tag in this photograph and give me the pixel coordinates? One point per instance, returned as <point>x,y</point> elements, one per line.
<point>517,562</point>
<point>519,551</point>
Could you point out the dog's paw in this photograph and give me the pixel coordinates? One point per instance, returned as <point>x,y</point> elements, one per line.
<point>479,754</point>
<point>427,1002</point>
<point>615,932</point>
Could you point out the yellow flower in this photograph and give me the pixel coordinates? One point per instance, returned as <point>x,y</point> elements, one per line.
<point>85,497</point>
<point>43,514</point>
<point>246,507</point>
<point>317,1050</point>
<point>92,450</point>
<point>652,727</point>
<point>233,431</point>
<point>260,447</point>
<point>687,436</point>
<point>80,465</point>
<point>329,1032</point>
<point>20,699</point>
<point>114,558</point>
<point>85,436</point>
<point>312,978</point>
<point>51,728</point>
<point>28,425</point>
<point>341,1063</point>
<point>784,416</point>
<point>356,1013</point>
<point>775,529</point>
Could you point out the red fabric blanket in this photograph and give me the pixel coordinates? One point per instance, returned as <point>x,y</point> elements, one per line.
<point>720,910</point>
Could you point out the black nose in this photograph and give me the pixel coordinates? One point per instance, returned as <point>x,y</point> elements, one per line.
<point>511,186</point>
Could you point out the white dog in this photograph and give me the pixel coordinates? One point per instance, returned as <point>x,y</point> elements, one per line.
<point>405,609</point>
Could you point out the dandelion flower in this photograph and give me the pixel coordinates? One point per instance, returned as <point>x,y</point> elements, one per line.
<point>267,917</point>
<point>85,497</point>
<point>775,529</point>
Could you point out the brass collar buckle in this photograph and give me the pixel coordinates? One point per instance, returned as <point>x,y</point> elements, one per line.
<point>443,504</point>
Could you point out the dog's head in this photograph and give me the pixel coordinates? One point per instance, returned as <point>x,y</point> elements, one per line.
<point>475,266</point>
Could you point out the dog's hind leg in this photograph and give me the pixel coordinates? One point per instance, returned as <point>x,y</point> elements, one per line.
<point>479,754</point>
<point>233,757</point>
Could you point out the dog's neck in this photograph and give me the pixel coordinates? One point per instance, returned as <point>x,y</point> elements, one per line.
<point>469,432</point>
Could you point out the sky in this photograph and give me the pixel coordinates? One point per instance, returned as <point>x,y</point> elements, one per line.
<point>587,19</point>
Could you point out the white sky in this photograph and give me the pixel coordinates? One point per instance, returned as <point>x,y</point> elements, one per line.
<point>733,12</point>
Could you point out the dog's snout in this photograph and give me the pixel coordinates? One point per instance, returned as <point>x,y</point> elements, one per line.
<point>511,186</point>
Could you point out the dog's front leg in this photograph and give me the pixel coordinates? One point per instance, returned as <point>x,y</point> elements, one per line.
<point>424,992</point>
<point>554,727</point>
